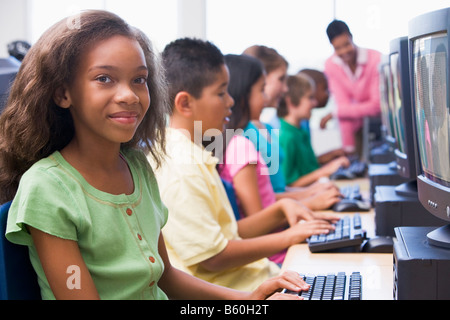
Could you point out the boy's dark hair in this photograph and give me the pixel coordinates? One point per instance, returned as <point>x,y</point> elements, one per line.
<point>191,65</point>
<point>336,28</point>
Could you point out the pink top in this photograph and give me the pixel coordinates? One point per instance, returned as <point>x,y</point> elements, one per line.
<point>356,95</point>
<point>241,152</point>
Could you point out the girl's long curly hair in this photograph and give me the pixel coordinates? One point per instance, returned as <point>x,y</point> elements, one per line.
<point>32,126</point>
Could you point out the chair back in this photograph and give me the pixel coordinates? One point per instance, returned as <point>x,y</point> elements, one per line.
<point>232,197</point>
<point>18,280</point>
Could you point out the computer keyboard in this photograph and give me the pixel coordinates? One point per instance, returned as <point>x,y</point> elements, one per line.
<point>333,286</point>
<point>356,169</point>
<point>351,192</point>
<point>348,233</point>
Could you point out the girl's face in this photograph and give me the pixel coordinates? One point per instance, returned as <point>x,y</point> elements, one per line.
<point>109,95</point>
<point>257,99</point>
<point>276,86</point>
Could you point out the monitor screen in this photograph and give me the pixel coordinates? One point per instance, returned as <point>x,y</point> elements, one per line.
<point>398,118</point>
<point>386,102</point>
<point>432,106</point>
<point>384,98</point>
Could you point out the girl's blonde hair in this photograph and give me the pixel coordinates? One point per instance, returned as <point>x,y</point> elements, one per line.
<point>32,126</point>
<point>270,57</point>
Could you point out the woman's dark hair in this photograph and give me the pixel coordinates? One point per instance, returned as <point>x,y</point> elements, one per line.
<point>336,28</point>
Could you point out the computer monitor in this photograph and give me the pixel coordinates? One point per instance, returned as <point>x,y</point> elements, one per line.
<point>429,44</point>
<point>406,156</point>
<point>8,71</point>
<point>386,102</point>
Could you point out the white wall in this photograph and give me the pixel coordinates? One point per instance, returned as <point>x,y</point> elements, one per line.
<point>13,23</point>
<point>296,28</point>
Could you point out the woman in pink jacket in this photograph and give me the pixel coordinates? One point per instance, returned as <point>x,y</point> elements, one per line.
<point>353,80</point>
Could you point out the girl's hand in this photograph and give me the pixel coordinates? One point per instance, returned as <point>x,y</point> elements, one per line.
<point>295,211</point>
<point>335,164</point>
<point>328,216</point>
<point>323,200</point>
<point>270,289</point>
<point>302,231</point>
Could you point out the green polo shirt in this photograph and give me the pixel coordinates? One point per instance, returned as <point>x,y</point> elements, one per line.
<point>117,234</point>
<point>299,157</point>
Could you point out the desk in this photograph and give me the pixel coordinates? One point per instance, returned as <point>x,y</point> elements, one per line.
<point>376,268</point>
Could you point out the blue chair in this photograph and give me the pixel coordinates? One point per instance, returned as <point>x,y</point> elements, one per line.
<point>18,280</point>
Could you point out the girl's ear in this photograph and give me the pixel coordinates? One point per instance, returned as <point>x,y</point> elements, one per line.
<point>183,103</point>
<point>61,98</point>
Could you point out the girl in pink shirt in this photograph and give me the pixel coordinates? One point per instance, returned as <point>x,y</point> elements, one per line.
<point>243,165</point>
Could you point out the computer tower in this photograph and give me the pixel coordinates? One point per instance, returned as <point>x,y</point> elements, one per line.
<point>395,210</point>
<point>381,154</point>
<point>384,174</point>
<point>421,271</point>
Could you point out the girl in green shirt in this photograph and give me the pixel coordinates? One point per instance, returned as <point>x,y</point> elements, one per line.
<point>87,100</point>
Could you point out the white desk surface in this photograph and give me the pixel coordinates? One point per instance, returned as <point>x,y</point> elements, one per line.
<point>376,268</point>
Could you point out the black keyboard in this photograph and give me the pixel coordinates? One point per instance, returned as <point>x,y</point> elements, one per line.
<point>348,233</point>
<point>356,169</point>
<point>333,286</point>
<point>351,192</point>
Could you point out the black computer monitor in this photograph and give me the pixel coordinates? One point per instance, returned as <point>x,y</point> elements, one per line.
<point>386,102</point>
<point>406,156</point>
<point>429,43</point>
<point>8,71</point>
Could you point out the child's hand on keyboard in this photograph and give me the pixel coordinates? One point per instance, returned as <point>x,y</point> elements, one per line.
<point>332,166</point>
<point>269,289</point>
<point>328,216</point>
<point>295,211</point>
<point>323,200</point>
<point>302,231</point>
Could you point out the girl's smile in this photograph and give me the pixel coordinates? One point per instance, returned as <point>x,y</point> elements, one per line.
<point>125,117</point>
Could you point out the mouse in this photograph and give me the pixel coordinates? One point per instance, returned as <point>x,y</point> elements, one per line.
<point>380,244</point>
<point>348,205</point>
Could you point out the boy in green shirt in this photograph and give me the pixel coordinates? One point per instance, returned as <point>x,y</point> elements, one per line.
<point>300,166</point>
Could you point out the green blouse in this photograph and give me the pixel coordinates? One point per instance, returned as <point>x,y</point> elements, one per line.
<point>117,234</point>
